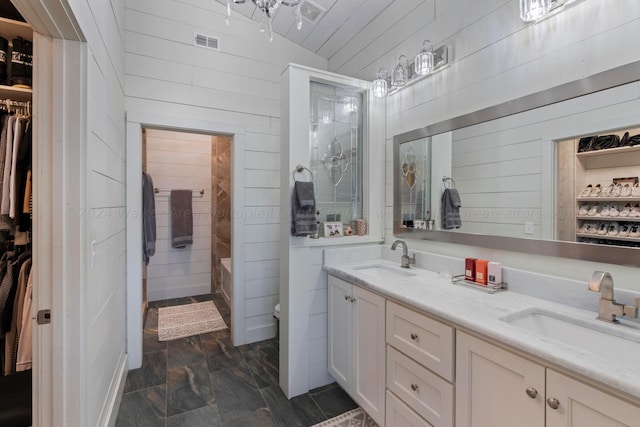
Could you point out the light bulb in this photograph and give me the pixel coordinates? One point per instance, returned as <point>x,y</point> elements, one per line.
<point>532,10</point>
<point>380,84</point>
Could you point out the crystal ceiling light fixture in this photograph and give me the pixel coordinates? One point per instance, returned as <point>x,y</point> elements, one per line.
<point>380,83</point>
<point>400,74</point>
<point>268,9</point>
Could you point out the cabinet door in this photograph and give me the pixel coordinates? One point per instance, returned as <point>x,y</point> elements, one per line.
<point>369,353</point>
<point>580,405</point>
<point>491,387</point>
<point>340,315</point>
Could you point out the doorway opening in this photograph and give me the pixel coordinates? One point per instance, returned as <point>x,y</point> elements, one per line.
<point>200,163</point>
<point>153,142</point>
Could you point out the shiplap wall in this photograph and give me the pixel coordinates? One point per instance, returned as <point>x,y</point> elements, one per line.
<point>104,340</point>
<point>499,175</point>
<point>238,85</point>
<point>180,160</point>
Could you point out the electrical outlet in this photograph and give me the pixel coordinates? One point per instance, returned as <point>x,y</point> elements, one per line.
<point>528,228</point>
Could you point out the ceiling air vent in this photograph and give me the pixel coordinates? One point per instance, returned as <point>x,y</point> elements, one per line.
<point>204,40</point>
<point>310,11</point>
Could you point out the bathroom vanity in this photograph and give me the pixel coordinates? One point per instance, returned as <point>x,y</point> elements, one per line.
<point>411,348</point>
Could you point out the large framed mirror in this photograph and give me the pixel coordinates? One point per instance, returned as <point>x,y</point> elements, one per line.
<point>521,172</point>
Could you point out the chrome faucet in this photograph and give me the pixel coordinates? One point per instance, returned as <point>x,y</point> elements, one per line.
<point>405,260</point>
<point>608,308</point>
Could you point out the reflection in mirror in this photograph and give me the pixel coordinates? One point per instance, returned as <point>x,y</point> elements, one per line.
<point>415,182</point>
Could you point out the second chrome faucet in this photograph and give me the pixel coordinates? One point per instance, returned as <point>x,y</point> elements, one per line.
<point>608,308</point>
<point>405,261</point>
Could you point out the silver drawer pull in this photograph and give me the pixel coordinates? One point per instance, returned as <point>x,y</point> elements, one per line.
<point>553,403</point>
<point>415,387</point>
<point>532,392</point>
<point>414,336</point>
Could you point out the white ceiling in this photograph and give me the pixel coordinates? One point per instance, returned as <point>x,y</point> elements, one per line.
<point>340,22</point>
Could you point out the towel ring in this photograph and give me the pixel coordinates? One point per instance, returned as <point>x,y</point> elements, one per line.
<point>300,169</point>
<point>448,180</point>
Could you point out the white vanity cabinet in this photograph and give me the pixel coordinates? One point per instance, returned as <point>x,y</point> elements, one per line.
<point>495,387</point>
<point>420,361</point>
<point>356,344</point>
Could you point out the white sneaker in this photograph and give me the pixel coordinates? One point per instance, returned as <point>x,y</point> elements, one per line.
<point>616,191</point>
<point>594,210</point>
<point>624,230</point>
<point>608,190</point>
<point>613,229</point>
<point>626,210</point>
<point>602,228</point>
<point>626,191</point>
<point>584,209</point>
<point>592,228</point>
<point>587,191</point>
<point>635,190</point>
<point>613,211</point>
<point>635,211</point>
<point>596,191</point>
<point>605,211</point>
<point>635,231</point>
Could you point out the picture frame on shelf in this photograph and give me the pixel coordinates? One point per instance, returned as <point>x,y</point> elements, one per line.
<point>632,180</point>
<point>333,229</point>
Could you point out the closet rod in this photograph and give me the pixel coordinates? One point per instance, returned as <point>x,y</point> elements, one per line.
<point>168,190</point>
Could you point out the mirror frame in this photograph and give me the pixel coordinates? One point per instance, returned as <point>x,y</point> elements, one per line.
<point>619,255</point>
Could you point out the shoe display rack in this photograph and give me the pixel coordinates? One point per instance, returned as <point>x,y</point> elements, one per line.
<point>608,209</point>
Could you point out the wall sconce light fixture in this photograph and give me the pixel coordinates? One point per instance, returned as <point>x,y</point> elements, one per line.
<point>380,83</point>
<point>400,73</point>
<point>424,61</point>
<point>534,10</point>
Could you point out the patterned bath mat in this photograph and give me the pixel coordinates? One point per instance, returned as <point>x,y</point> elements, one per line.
<point>190,319</point>
<point>354,418</point>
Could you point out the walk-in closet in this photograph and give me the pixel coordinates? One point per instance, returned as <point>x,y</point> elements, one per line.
<point>16,203</point>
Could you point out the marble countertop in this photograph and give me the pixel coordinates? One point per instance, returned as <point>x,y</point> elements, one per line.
<point>482,313</point>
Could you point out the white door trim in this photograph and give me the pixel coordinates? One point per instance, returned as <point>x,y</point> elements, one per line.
<point>136,121</point>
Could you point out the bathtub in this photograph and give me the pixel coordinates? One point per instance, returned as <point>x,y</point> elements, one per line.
<point>226,282</point>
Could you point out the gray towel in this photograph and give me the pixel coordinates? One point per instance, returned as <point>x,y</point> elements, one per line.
<point>451,209</point>
<point>148,217</point>
<point>181,218</point>
<point>303,218</point>
<point>305,194</point>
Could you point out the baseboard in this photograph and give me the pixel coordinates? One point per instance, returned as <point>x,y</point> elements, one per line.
<point>114,397</point>
<point>260,333</point>
<point>187,291</point>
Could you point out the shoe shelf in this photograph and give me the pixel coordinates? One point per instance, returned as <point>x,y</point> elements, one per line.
<point>618,150</point>
<point>606,237</point>
<point>620,199</point>
<point>608,218</point>
<point>15,93</point>
<point>10,29</point>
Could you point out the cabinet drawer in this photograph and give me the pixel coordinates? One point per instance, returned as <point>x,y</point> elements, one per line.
<point>426,393</point>
<point>400,415</point>
<point>422,338</point>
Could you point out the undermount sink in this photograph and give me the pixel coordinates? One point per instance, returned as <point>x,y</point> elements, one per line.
<point>614,342</point>
<point>385,271</point>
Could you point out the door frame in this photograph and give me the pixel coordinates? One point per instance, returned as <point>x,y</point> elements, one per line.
<point>136,122</point>
<point>59,176</point>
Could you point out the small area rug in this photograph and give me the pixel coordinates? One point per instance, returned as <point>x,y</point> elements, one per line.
<point>190,319</point>
<point>354,418</point>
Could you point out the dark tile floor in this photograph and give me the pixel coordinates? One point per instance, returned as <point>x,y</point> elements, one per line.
<point>205,381</point>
